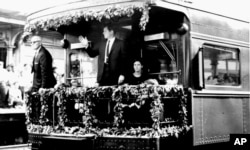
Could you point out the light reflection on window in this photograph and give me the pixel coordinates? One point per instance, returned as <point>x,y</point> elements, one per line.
<point>207,63</point>
<point>232,65</point>
<point>221,66</point>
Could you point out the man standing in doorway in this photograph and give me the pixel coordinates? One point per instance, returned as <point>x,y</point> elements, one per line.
<point>42,66</point>
<point>112,57</point>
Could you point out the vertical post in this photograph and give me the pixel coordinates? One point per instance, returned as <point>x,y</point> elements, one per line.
<point>9,59</point>
<point>158,143</point>
<point>66,61</point>
<point>201,67</point>
<point>53,112</point>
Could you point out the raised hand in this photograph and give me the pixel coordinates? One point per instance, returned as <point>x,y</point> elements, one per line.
<point>84,41</point>
<point>121,79</point>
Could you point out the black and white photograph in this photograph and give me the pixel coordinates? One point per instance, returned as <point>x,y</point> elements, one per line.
<point>124,75</point>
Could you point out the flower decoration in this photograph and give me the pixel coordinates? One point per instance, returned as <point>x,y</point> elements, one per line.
<point>65,19</point>
<point>156,110</point>
<point>81,101</point>
<point>61,102</point>
<point>46,97</point>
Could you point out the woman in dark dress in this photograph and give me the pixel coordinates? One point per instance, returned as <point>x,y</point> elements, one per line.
<point>137,113</point>
<point>137,77</point>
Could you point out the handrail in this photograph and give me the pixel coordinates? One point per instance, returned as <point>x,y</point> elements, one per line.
<point>168,72</point>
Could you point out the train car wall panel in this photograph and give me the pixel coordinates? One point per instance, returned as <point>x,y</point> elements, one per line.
<point>218,25</point>
<point>215,118</point>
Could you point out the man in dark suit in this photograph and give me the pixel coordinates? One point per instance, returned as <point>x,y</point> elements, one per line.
<point>112,57</point>
<point>42,66</point>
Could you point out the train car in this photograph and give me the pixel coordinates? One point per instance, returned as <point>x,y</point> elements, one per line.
<point>206,52</point>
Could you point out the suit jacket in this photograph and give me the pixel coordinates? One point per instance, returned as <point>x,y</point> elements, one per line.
<point>43,71</point>
<point>4,95</point>
<point>116,62</point>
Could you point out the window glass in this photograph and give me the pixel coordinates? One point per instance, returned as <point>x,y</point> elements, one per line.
<point>162,59</point>
<point>82,70</point>
<point>221,66</point>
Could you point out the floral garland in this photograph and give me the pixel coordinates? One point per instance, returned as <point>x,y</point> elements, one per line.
<point>86,108</point>
<point>83,98</point>
<point>111,12</point>
<point>46,97</point>
<point>61,101</point>
<point>174,131</point>
<point>29,109</point>
<point>156,110</point>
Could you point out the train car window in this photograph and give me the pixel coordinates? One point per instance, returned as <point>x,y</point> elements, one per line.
<point>81,69</point>
<point>221,65</point>
<point>163,59</point>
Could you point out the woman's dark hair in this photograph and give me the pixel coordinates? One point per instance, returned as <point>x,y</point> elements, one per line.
<point>133,60</point>
<point>137,59</point>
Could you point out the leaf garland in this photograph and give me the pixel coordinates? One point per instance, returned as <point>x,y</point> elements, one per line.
<point>65,19</point>
<point>124,96</point>
<point>33,108</point>
<point>169,131</point>
<point>62,97</point>
<point>44,98</point>
<point>88,117</point>
<point>156,109</point>
<point>29,108</point>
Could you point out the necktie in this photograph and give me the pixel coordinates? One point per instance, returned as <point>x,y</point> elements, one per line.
<point>35,57</point>
<point>107,52</point>
<point>33,63</point>
<point>36,53</point>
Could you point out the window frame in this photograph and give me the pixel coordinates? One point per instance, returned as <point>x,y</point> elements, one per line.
<point>202,69</point>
